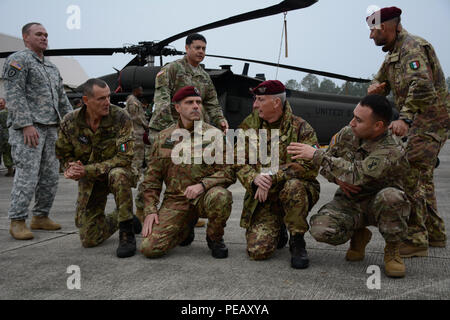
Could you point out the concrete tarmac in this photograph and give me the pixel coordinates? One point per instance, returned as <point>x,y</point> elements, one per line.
<point>42,268</point>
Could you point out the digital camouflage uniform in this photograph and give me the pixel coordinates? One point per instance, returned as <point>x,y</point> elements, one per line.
<point>36,97</point>
<point>413,73</point>
<point>177,213</point>
<point>294,189</point>
<point>378,167</point>
<point>170,79</point>
<point>106,155</point>
<point>5,148</point>
<point>137,114</point>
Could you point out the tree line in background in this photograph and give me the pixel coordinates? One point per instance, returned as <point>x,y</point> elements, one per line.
<point>311,83</point>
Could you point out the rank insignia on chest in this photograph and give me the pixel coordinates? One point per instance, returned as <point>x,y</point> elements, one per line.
<point>83,139</point>
<point>414,65</point>
<point>123,147</point>
<point>373,164</point>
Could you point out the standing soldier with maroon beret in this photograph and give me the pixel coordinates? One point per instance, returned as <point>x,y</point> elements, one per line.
<point>412,71</point>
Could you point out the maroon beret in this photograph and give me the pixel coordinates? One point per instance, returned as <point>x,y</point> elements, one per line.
<point>269,87</point>
<point>184,92</point>
<point>382,15</point>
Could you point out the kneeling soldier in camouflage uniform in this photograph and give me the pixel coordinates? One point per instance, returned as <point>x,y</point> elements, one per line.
<point>369,166</point>
<point>95,146</point>
<point>193,188</point>
<point>284,196</point>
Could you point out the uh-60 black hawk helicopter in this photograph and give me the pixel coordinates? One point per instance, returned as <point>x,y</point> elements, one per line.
<point>327,113</point>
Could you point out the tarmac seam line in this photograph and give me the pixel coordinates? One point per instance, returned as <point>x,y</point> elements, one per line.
<point>34,243</point>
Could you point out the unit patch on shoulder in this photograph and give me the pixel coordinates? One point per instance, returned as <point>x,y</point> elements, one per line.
<point>414,65</point>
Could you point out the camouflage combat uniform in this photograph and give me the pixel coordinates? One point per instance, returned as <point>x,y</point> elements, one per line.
<point>177,213</point>
<point>413,73</point>
<point>378,167</point>
<point>294,189</point>
<point>5,148</point>
<point>173,77</point>
<point>106,155</point>
<point>136,112</point>
<point>36,97</point>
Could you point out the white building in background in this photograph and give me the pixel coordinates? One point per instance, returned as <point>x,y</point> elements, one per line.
<point>71,71</point>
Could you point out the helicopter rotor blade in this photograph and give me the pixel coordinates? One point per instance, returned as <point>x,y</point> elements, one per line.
<point>284,66</point>
<point>284,6</point>
<point>75,52</point>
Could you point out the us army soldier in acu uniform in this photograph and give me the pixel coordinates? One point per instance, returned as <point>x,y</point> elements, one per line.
<point>193,187</point>
<point>95,146</point>
<point>285,195</point>
<point>411,70</point>
<point>36,103</point>
<point>369,166</point>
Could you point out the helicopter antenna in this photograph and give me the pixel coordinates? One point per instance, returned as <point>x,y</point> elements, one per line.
<point>283,33</point>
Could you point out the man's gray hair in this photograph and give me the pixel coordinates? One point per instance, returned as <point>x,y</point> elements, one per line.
<point>281,96</point>
<point>88,86</point>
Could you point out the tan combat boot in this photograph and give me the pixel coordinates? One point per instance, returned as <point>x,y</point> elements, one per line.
<point>358,243</point>
<point>18,229</point>
<point>44,223</point>
<point>437,244</point>
<point>393,263</point>
<point>200,223</point>
<point>407,250</point>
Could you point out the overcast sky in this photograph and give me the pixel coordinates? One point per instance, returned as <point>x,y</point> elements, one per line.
<point>330,35</point>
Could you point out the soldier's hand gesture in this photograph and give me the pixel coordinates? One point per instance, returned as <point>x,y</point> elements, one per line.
<point>148,224</point>
<point>263,181</point>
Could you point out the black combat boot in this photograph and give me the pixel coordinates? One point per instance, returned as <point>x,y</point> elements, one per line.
<point>127,241</point>
<point>299,256</point>
<point>282,237</point>
<point>218,248</point>
<point>191,235</point>
<point>137,226</point>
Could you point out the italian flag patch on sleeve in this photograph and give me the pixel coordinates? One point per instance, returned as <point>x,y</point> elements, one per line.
<point>414,65</point>
<point>123,147</point>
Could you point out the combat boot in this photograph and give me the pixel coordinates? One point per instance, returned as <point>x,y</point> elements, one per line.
<point>408,250</point>
<point>393,263</point>
<point>437,244</point>
<point>191,235</point>
<point>43,223</point>
<point>18,229</point>
<point>299,256</point>
<point>358,243</point>
<point>127,241</point>
<point>137,226</point>
<point>200,223</point>
<point>218,248</point>
<point>282,237</point>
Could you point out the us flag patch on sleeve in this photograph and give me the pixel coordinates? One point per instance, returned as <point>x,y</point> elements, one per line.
<point>16,65</point>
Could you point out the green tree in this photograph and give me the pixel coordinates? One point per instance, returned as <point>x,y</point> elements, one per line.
<point>310,83</point>
<point>328,86</point>
<point>448,83</point>
<point>292,84</point>
<point>357,89</point>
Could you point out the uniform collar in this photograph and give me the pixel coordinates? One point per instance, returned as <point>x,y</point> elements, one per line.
<point>399,41</point>
<point>44,60</point>
<point>370,145</point>
<point>105,122</point>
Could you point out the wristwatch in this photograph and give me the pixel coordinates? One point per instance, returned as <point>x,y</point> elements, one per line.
<point>408,122</point>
